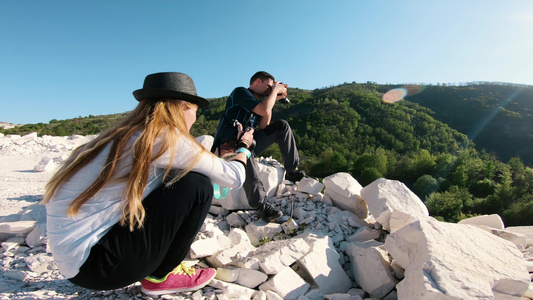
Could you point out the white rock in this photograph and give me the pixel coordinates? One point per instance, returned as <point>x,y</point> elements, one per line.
<point>314,294</point>
<point>326,200</point>
<point>384,196</point>
<point>40,263</point>
<point>231,290</point>
<point>235,200</point>
<point>239,236</point>
<point>364,234</point>
<point>251,278</point>
<point>370,255</point>
<point>37,236</point>
<point>276,255</point>
<point>271,174</point>
<point>299,213</point>
<point>399,219</point>
<point>35,212</point>
<point>529,292</point>
<point>529,266</point>
<point>234,220</point>
<point>286,283</point>
<point>260,230</point>
<point>518,239</point>
<point>245,262</point>
<point>227,274</point>
<point>346,217</point>
<point>18,227</point>
<point>259,295</point>
<point>217,210</point>
<point>357,292</point>
<point>525,230</point>
<point>271,295</point>
<point>46,164</point>
<point>322,265</point>
<point>456,260</point>
<point>9,245</point>
<point>224,242</point>
<point>16,275</point>
<point>204,247</point>
<point>339,296</point>
<point>494,221</point>
<point>289,226</point>
<point>237,243</point>
<point>345,192</point>
<point>391,296</point>
<point>310,186</point>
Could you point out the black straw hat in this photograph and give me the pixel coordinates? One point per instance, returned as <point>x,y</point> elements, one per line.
<point>171,85</point>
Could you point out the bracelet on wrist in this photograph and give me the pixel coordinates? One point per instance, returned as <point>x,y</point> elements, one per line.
<point>242,144</point>
<point>245,151</point>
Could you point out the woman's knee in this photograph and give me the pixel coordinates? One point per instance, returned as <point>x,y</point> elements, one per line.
<point>192,185</point>
<point>197,180</point>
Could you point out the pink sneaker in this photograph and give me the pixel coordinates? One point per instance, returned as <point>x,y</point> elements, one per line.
<point>183,278</point>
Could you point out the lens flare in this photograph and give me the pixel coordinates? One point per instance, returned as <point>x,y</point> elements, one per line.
<point>394,95</point>
<point>397,94</point>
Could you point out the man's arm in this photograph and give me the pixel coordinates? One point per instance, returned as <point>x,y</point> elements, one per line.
<point>264,109</point>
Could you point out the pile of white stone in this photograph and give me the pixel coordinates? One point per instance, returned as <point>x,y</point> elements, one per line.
<point>32,144</point>
<point>337,240</point>
<point>6,125</point>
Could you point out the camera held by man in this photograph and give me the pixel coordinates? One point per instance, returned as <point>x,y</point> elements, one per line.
<point>284,100</point>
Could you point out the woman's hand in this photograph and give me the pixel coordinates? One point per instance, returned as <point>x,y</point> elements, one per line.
<point>246,136</point>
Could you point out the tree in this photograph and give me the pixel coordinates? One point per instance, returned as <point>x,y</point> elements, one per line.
<point>377,161</point>
<point>448,205</point>
<point>424,163</point>
<point>519,213</point>
<point>368,175</point>
<point>425,185</point>
<point>61,131</point>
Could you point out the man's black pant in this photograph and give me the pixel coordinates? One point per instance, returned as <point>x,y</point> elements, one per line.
<point>174,215</point>
<point>278,132</point>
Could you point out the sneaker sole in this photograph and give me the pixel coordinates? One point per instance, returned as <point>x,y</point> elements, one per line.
<point>190,289</point>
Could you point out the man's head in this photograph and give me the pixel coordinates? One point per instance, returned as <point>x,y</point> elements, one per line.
<point>261,83</point>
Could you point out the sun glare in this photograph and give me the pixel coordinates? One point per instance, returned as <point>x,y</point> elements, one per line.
<point>394,95</point>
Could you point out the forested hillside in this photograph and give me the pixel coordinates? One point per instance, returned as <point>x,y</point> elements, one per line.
<point>349,128</point>
<point>497,117</point>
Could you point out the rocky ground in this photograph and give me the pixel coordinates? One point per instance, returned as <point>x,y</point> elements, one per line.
<point>324,249</point>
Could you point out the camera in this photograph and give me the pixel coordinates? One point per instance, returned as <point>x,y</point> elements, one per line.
<point>235,125</point>
<point>284,100</point>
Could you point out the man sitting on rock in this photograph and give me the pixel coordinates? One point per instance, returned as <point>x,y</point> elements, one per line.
<point>252,107</point>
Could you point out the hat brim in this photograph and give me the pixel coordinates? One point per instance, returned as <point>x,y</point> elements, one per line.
<point>149,94</point>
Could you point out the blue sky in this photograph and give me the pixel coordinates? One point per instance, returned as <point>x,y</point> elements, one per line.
<point>65,59</point>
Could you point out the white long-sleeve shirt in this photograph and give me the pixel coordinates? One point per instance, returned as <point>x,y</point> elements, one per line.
<point>71,238</point>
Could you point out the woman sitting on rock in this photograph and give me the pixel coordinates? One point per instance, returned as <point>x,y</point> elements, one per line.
<point>127,206</point>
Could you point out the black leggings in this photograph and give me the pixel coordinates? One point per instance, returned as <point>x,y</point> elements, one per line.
<point>174,215</point>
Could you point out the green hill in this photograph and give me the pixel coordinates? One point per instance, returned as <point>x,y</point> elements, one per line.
<point>497,117</point>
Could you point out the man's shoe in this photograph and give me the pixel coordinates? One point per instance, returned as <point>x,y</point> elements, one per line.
<point>183,278</point>
<point>268,213</point>
<point>296,175</point>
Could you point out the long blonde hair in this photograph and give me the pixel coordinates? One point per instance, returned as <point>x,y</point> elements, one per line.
<point>151,118</point>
